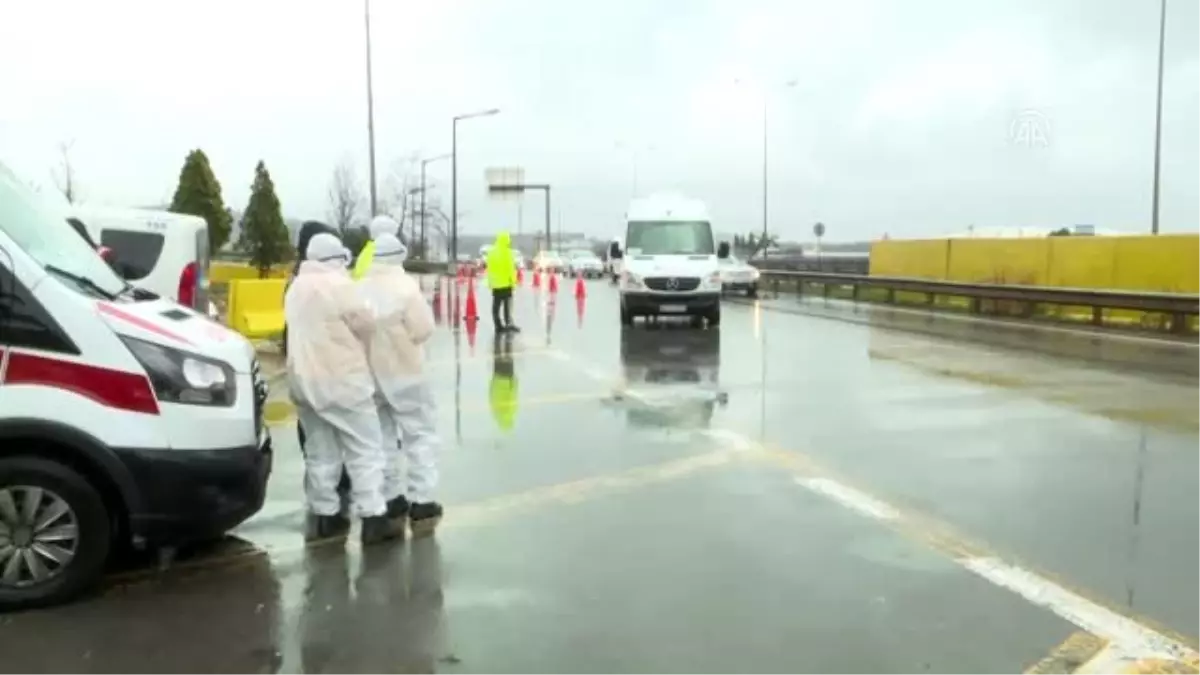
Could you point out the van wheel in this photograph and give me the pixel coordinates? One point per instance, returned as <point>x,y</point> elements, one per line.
<point>55,533</point>
<point>752,292</point>
<point>714,317</point>
<point>626,317</point>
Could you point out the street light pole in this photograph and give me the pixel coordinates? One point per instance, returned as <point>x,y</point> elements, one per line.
<point>454,179</point>
<point>765,174</point>
<point>425,163</point>
<point>370,110</point>
<point>1162,38</point>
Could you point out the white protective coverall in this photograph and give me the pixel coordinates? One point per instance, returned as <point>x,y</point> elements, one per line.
<point>330,380</point>
<point>404,322</point>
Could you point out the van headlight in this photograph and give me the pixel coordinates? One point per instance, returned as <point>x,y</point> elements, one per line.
<point>631,280</point>
<point>714,279</point>
<point>754,274</point>
<point>181,377</point>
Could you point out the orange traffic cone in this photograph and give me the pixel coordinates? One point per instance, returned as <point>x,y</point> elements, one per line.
<point>520,276</point>
<point>472,329</point>
<point>580,288</point>
<point>553,285</point>
<point>471,313</point>
<point>580,301</point>
<point>537,279</point>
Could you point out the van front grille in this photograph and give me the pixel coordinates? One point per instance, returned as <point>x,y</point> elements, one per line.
<point>670,284</point>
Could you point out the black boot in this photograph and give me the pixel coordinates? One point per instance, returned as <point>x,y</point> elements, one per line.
<point>397,511</point>
<point>378,529</point>
<point>321,528</point>
<point>424,517</point>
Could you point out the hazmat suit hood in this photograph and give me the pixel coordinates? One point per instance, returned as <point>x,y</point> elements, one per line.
<point>503,240</point>
<point>390,250</point>
<point>380,226</point>
<point>327,250</point>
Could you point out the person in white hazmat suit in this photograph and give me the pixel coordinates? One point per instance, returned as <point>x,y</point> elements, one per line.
<point>331,385</point>
<point>404,322</point>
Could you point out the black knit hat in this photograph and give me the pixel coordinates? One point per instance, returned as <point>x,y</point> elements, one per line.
<point>309,230</point>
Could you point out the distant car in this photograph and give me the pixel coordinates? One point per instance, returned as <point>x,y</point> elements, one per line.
<point>738,275</point>
<point>584,263</point>
<point>548,261</point>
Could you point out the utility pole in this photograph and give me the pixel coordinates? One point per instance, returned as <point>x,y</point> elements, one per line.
<point>370,112</point>
<point>1162,39</point>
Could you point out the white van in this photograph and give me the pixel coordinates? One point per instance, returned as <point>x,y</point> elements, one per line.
<point>158,251</point>
<point>122,420</point>
<point>670,261</point>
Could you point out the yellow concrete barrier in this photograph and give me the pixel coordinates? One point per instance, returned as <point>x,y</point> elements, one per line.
<point>1165,263</point>
<point>256,307</point>
<point>223,272</point>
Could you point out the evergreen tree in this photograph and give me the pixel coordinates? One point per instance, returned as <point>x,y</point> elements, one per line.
<point>199,194</point>
<point>264,235</point>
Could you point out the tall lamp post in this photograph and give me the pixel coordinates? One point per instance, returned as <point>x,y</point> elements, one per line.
<point>765,172</point>
<point>454,178</point>
<point>370,111</point>
<point>1162,38</point>
<point>425,163</point>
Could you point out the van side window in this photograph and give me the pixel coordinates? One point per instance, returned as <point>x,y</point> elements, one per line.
<point>136,253</point>
<point>24,322</point>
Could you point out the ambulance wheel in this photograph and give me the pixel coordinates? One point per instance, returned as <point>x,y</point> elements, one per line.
<point>55,533</point>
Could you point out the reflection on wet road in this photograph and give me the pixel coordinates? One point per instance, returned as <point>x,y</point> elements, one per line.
<point>791,493</point>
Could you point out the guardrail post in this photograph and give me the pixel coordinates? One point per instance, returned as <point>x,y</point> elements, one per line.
<point>825,290</point>
<point>854,292</point>
<point>1097,316</point>
<point>1179,323</point>
<point>975,305</point>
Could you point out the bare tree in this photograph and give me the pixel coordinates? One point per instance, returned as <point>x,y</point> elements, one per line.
<point>345,196</point>
<point>64,177</point>
<point>401,193</point>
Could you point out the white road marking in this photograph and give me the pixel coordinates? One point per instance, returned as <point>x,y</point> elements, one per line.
<point>850,498</point>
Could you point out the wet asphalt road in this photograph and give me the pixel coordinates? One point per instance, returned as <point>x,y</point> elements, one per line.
<point>802,491</point>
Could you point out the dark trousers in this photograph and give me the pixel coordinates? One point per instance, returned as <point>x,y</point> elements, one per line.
<point>344,482</point>
<point>502,297</point>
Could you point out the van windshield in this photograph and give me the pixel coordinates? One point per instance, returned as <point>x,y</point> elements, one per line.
<point>46,236</point>
<point>669,237</point>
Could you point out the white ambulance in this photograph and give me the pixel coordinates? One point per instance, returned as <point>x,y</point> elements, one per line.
<point>123,420</point>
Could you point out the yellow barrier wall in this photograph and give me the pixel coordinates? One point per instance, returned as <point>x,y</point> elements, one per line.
<point>1168,263</point>
<point>256,307</point>
<point>1020,262</point>
<point>918,258</point>
<point>225,272</point>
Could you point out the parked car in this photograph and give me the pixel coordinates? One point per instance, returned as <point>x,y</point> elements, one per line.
<point>584,263</point>
<point>738,275</point>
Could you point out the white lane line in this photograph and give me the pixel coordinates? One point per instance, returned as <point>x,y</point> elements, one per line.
<point>859,502</point>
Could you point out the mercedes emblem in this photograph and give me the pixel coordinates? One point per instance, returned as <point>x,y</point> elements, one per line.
<point>673,284</point>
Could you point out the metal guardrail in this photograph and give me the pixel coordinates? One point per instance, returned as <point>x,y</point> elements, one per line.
<point>1180,307</point>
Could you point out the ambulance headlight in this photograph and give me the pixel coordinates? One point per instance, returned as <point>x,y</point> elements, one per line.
<point>181,377</point>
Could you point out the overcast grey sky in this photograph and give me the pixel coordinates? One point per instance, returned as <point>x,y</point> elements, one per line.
<point>910,117</point>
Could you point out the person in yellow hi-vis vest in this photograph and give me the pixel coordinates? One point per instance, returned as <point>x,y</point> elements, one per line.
<point>502,392</point>
<point>502,277</point>
<point>380,224</point>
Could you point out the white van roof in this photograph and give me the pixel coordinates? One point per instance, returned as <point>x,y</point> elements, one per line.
<point>667,207</point>
<point>131,214</point>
